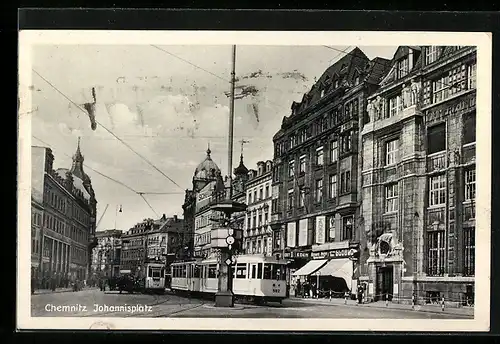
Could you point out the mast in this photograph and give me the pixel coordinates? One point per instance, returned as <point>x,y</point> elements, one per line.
<point>231,124</point>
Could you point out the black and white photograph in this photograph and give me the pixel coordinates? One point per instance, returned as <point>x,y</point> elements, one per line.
<point>199,180</point>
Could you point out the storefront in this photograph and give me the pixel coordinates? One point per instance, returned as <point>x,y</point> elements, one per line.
<point>331,268</point>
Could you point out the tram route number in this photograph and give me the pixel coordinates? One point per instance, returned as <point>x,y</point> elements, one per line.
<point>276,290</point>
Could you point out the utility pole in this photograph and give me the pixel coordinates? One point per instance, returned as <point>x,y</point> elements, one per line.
<point>231,124</point>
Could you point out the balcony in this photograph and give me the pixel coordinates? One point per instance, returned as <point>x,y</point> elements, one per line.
<point>375,125</point>
<point>436,162</point>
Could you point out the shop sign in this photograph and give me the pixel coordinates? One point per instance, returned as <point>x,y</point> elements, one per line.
<point>342,253</point>
<point>297,255</point>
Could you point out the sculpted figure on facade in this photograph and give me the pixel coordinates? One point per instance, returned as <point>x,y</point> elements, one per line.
<point>406,96</point>
<point>371,110</point>
<point>415,92</point>
<point>377,108</point>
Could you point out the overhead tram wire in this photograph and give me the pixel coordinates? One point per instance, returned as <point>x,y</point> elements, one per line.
<point>141,194</point>
<point>407,70</point>
<point>109,131</point>
<point>203,69</point>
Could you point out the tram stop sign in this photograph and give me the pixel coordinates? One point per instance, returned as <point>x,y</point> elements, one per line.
<point>228,261</point>
<point>230,240</point>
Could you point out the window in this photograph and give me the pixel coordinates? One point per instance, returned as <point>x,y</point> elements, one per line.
<point>319,190</point>
<point>469,251</point>
<point>347,226</point>
<point>302,164</point>
<point>334,151</point>
<point>346,142</point>
<point>440,89</point>
<point>241,270</point>
<point>403,68</point>
<point>291,168</point>
<point>212,271</point>
<point>267,271</point>
<point>319,156</point>
<point>255,199</point>
<point>469,128</point>
<point>470,185</point>
<point>471,76</point>
<point>436,252</point>
<point>290,199</point>
<point>331,228</point>
<point>395,105</point>
<point>302,198</point>
<point>261,193</point>
<point>437,190</point>
<point>274,205</point>
<point>268,194</point>
<point>436,138</point>
<point>345,182</point>
<point>391,198</point>
<point>333,186</point>
<point>431,54</point>
<point>391,151</point>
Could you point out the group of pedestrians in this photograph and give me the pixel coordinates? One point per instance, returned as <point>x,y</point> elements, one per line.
<point>54,282</point>
<point>306,290</point>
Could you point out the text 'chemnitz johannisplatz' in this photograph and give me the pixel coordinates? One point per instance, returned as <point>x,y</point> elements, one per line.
<point>98,308</point>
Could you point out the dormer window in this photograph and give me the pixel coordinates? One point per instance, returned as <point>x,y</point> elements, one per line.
<point>431,54</point>
<point>402,67</point>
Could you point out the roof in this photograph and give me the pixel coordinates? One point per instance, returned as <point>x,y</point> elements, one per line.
<point>207,169</point>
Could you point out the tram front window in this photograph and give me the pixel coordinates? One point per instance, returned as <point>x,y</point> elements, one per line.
<point>274,272</point>
<point>155,272</point>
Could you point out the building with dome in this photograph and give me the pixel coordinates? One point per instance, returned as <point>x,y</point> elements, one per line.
<point>63,219</point>
<point>204,178</point>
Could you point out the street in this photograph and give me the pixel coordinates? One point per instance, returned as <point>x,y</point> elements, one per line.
<point>95,303</point>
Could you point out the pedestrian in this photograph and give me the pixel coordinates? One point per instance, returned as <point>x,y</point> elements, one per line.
<point>314,290</point>
<point>33,283</point>
<point>360,295</point>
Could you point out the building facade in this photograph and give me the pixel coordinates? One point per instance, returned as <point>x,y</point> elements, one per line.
<point>257,234</point>
<point>106,255</point>
<point>165,241</point>
<point>63,220</point>
<point>133,254</point>
<point>315,198</point>
<point>418,176</point>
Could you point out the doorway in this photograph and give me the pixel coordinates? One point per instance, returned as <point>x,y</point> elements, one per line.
<point>385,283</point>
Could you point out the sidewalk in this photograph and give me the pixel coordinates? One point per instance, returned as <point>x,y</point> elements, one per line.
<point>463,311</point>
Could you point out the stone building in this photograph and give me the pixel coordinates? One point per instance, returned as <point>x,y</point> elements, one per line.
<point>166,240</point>
<point>315,206</point>
<point>106,255</point>
<point>418,176</point>
<point>239,195</point>
<point>257,234</point>
<point>134,246</point>
<point>63,219</point>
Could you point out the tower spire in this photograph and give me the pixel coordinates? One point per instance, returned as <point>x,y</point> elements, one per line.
<point>208,150</point>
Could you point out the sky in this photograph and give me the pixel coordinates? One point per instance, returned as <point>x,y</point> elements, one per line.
<point>168,103</point>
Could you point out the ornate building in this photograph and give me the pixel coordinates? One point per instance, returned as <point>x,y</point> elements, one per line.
<point>418,176</point>
<point>315,206</point>
<point>63,219</point>
<point>106,255</point>
<point>257,234</point>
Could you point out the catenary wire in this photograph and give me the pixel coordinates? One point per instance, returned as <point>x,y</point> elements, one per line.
<point>109,131</point>
<point>115,180</point>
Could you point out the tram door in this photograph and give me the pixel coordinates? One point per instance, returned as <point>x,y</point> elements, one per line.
<point>385,283</point>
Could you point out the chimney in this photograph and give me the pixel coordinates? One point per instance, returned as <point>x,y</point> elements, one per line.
<point>164,217</point>
<point>175,218</point>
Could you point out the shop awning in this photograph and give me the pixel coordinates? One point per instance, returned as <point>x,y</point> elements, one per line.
<point>341,268</point>
<point>310,267</point>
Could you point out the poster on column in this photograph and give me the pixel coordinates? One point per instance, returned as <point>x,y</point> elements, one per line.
<point>320,229</point>
<point>303,232</point>
<point>291,234</point>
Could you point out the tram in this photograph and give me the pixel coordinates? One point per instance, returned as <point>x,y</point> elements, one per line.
<point>154,280</point>
<point>256,278</point>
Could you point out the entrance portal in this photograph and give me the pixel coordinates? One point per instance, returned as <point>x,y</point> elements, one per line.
<point>385,283</point>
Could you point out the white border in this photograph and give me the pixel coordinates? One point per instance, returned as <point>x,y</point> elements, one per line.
<point>481,321</point>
